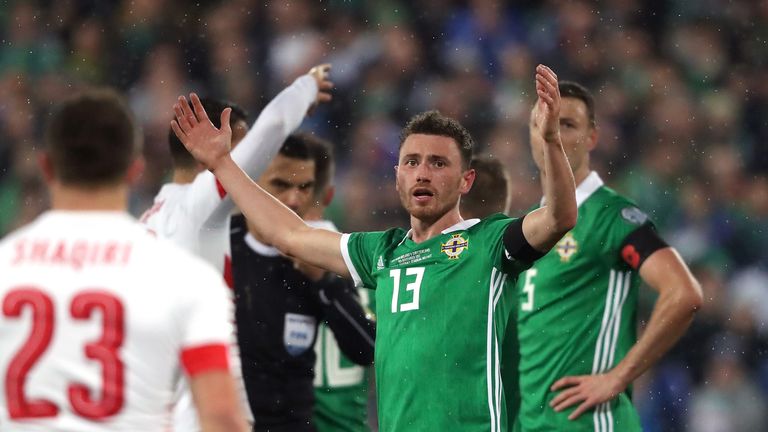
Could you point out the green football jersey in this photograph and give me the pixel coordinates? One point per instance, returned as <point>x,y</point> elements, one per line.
<point>441,307</point>
<point>341,386</point>
<point>577,314</point>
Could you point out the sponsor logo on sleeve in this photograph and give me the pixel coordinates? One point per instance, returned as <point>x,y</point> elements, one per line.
<point>634,215</point>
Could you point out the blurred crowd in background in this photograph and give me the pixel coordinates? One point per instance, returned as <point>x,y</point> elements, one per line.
<point>682,106</point>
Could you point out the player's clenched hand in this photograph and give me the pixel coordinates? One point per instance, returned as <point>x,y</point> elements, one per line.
<point>324,85</point>
<point>194,129</point>
<point>586,390</point>
<point>547,110</point>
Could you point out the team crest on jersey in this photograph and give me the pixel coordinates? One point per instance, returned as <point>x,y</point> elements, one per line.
<point>455,246</point>
<point>567,247</point>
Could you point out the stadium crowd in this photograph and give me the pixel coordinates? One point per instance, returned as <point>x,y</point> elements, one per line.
<point>681,101</point>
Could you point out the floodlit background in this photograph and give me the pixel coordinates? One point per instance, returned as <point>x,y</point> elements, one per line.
<point>682,105</point>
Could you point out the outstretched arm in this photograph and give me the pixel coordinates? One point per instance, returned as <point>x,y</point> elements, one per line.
<point>679,298</point>
<point>544,227</point>
<point>275,222</point>
<point>262,142</point>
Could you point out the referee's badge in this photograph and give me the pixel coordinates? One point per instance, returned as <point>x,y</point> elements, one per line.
<point>455,246</point>
<point>567,247</point>
<point>299,333</point>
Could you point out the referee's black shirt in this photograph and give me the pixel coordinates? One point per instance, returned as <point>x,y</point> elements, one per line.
<point>277,310</point>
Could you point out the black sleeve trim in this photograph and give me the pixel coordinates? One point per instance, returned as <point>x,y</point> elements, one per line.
<point>640,244</point>
<point>516,245</point>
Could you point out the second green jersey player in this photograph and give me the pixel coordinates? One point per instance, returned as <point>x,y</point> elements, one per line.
<point>576,312</point>
<point>341,386</point>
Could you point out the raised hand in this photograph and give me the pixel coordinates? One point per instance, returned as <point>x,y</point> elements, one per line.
<point>207,144</point>
<point>324,85</point>
<point>547,109</point>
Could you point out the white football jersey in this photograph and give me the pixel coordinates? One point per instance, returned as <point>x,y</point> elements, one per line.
<point>196,215</point>
<point>98,318</point>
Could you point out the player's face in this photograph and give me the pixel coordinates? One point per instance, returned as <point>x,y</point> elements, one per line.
<point>430,177</point>
<point>292,181</point>
<point>239,129</point>
<point>577,134</point>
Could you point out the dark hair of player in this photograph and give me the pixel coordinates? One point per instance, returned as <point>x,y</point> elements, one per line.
<point>92,139</point>
<point>489,191</point>
<point>179,154</point>
<point>434,123</point>
<point>325,166</point>
<point>577,91</point>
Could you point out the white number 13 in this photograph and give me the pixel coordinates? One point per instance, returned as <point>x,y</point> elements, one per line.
<point>414,287</point>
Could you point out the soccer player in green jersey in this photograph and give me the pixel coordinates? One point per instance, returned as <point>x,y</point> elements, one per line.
<point>341,386</point>
<point>577,305</point>
<point>441,301</point>
<point>491,194</point>
<point>490,191</point>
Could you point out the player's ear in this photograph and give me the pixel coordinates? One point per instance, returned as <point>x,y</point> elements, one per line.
<point>46,167</point>
<point>135,170</point>
<point>593,135</point>
<point>467,180</point>
<point>397,187</point>
<point>330,191</point>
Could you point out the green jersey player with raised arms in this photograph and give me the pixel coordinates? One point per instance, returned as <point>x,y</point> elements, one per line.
<point>577,305</point>
<point>441,288</point>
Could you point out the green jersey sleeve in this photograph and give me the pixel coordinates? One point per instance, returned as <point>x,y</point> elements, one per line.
<point>624,218</point>
<point>360,251</point>
<point>494,230</point>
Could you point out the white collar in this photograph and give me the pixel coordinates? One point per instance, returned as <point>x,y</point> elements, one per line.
<point>586,188</point>
<point>259,247</point>
<point>459,226</point>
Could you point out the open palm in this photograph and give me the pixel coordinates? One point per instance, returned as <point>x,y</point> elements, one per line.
<point>547,110</point>
<point>207,144</point>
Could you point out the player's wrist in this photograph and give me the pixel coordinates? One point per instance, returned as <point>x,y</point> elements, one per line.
<point>622,375</point>
<point>552,139</point>
<point>221,163</point>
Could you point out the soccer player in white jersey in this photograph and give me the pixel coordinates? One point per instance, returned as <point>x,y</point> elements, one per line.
<point>194,210</point>
<point>97,316</point>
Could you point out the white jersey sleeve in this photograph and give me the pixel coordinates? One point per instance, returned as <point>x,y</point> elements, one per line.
<point>253,154</point>
<point>206,330</point>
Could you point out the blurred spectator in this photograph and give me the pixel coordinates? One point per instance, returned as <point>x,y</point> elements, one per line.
<point>729,401</point>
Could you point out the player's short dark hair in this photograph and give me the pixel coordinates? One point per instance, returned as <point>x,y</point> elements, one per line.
<point>434,123</point>
<point>92,139</point>
<point>179,154</point>
<point>489,191</point>
<point>297,146</point>
<point>575,90</point>
<point>325,166</point>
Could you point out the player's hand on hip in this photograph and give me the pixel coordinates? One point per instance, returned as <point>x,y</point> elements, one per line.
<point>586,390</point>
<point>194,129</point>
<point>547,109</point>
<point>324,84</point>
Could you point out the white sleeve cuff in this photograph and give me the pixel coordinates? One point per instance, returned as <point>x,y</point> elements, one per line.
<point>344,246</point>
